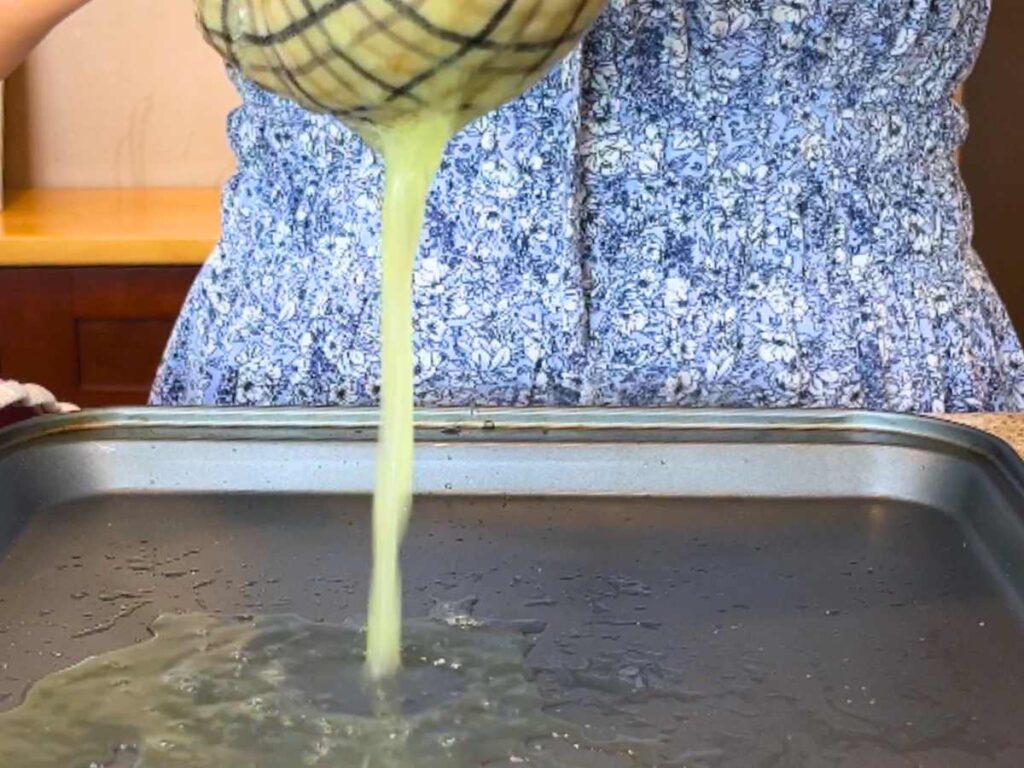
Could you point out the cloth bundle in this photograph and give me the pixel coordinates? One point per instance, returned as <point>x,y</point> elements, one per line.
<point>374,62</point>
<point>13,394</point>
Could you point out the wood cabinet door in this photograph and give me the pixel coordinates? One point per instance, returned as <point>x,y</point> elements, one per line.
<point>94,336</point>
<point>993,158</point>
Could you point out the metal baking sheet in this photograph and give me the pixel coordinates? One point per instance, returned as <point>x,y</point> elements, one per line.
<point>808,588</point>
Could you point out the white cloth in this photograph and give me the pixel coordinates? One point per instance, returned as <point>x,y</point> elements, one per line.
<point>13,393</point>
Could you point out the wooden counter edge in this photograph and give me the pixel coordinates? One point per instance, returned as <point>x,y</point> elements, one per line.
<point>109,227</point>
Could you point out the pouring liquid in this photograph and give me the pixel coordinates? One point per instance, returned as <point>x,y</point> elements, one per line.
<point>412,154</point>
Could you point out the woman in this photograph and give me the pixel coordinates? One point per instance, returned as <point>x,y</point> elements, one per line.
<point>715,203</point>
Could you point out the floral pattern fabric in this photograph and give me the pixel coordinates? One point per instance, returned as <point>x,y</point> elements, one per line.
<point>713,203</point>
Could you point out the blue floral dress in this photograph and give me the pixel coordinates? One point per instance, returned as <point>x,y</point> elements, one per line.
<point>714,203</point>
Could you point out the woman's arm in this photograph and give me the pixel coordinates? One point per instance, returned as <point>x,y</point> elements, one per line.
<point>23,23</point>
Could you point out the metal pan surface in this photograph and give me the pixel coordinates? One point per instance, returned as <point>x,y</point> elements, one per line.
<point>757,588</point>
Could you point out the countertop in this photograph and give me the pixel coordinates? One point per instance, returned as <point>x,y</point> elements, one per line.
<point>1008,427</point>
<point>108,227</point>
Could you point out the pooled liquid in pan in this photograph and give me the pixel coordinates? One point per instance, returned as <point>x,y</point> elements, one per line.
<point>281,692</point>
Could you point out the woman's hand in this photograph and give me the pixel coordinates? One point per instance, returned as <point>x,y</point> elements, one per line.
<point>23,23</point>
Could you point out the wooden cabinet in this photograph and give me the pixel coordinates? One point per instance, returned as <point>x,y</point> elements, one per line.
<point>92,335</point>
<point>91,282</point>
<point>993,160</point>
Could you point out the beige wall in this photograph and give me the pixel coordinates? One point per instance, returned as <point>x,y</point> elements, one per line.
<point>125,93</point>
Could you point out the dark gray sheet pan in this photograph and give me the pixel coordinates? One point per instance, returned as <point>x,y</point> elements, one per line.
<point>814,588</point>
